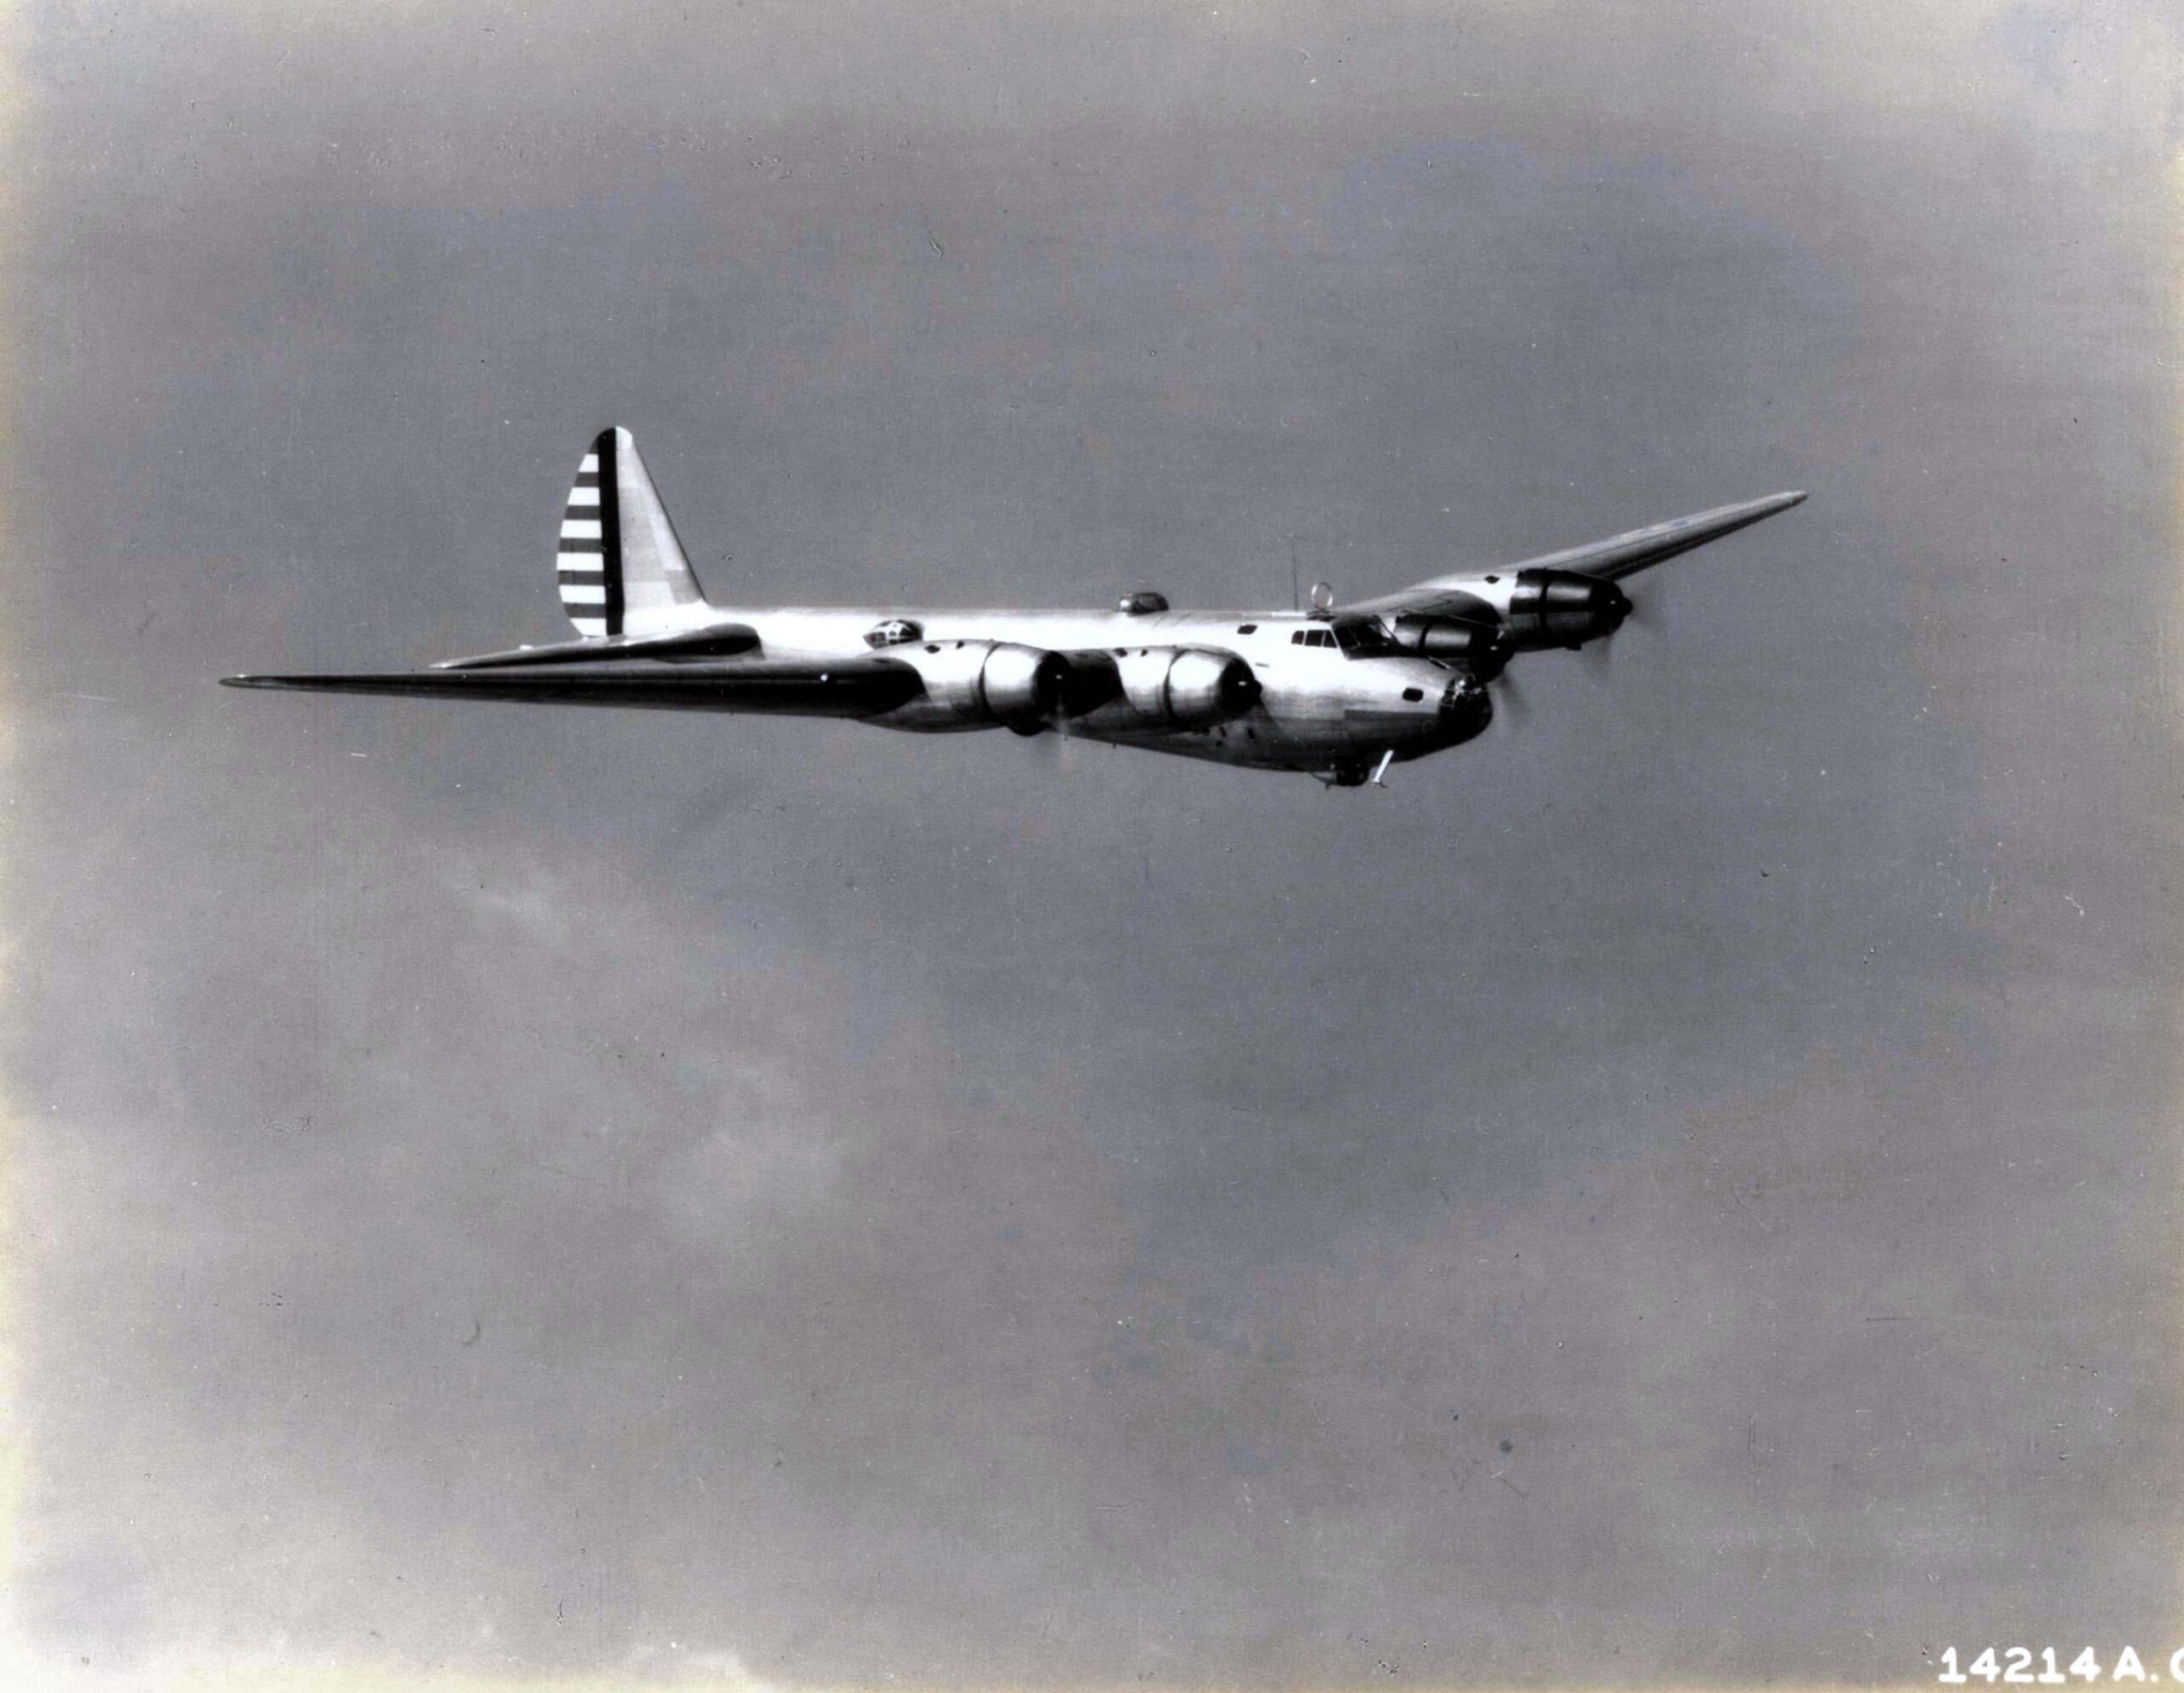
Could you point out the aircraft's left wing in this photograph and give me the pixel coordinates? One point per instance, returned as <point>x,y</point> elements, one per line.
<point>1618,556</point>
<point>852,688</point>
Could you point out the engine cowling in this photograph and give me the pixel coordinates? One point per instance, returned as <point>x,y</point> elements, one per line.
<point>970,685</point>
<point>1480,647</point>
<point>1178,688</point>
<point>1565,607</point>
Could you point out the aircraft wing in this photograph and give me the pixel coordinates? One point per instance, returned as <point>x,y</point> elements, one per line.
<point>713,641</point>
<point>1618,556</point>
<point>864,687</point>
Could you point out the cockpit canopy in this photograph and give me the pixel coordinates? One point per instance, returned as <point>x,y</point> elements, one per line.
<point>896,632</point>
<point>1359,637</point>
<point>1141,601</point>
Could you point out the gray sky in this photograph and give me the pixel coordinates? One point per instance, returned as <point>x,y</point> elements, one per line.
<point>1680,1189</point>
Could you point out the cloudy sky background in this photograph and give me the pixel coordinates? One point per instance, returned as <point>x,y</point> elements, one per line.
<point>1681,1188</point>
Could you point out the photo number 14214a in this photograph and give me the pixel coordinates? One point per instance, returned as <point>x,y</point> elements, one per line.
<point>2016,1664</point>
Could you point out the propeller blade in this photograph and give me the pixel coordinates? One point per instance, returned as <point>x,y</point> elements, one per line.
<point>1056,750</point>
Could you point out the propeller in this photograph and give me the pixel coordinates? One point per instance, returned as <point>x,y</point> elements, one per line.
<point>1058,750</point>
<point>1645,613</point>
<point>1513,696</point>
<point>1600,647</point>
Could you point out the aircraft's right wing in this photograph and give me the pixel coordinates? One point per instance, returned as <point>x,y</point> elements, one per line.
<point>863,687</point>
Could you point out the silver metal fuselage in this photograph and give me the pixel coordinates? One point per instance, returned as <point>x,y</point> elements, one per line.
<point>1319,708</point>
<point>1341,694</point>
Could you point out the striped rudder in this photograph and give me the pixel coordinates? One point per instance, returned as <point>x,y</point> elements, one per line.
<point>621,568</point>
<point>589,562</point>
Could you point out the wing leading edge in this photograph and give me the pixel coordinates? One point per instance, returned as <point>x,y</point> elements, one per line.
<point>853,687</point>
<point>1618,556</point>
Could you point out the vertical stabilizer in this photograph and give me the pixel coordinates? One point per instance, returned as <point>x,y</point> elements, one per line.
<point>620,569</point>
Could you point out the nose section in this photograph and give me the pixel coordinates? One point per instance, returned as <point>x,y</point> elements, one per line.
<point>1466,709</point>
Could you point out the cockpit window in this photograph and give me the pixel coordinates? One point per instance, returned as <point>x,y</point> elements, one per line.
<point>1361,638</point>
<point>1311,637</point>
<point>894,632</point>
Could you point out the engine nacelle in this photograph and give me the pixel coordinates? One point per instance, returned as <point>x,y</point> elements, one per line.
<point>1564,608</point>
<point>1482,648</point>
<point>1165,687</point>
<point>973,684</point>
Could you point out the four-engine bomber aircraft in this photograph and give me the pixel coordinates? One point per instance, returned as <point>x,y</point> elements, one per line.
<point>1339,693</point>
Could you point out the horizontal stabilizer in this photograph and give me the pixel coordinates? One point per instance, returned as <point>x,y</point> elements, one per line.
<point>854,688</point>
<point>722,640</point>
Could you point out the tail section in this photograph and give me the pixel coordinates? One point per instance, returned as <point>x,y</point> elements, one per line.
<point>620,568</point>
